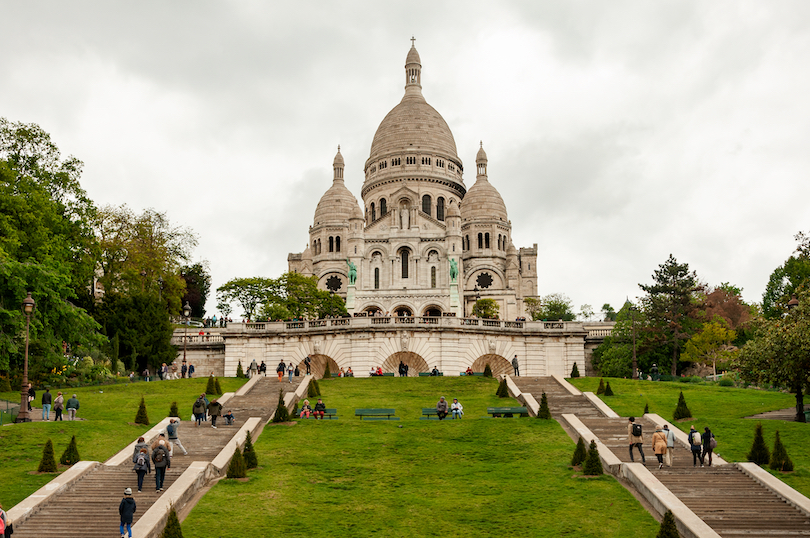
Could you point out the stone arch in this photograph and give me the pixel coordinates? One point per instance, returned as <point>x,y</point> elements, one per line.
<point>472,279</point>
<point>402,310</point>
<point>432,310</point>
<point>414,361</point>
<point>318,366</point>
<point>372,307</point>
<point>498,364</point>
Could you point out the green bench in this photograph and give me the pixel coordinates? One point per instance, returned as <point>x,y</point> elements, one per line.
<point>427,374</point>
<point>477,374</point>
<point>330,414</point>
<point>388,374</point>
<point>507,412</point>
<point>376,414</point>
<point>430,413</point>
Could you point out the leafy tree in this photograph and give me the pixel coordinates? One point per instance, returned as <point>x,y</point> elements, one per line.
<point>555,306</point>
<point>71,453</point>
<point>759,453</point>
<point>608,313</point>
<point>249,454</point>
<point>575,371</point>
<point>237,468</point>
<point>779,352</point>
<point>198,286</point>
<point>141,417</point>
<point>614,357</point>
<point>544,411</point>
<point>726,302</point>
<point>780,461</point>
<point>248,292</point>
<point>486,309</point>
<point>711,344</point>
<point>681,411</point>
<point>586,312</point>
<point>281,414</point>
<point>668,528</point>
<point>224,308</point>
<point>172,528</point>
<point>593,463</point>
<point>672,305</point>
<point>580,453</point>
<point>48,462</point>
<point>787,279</point>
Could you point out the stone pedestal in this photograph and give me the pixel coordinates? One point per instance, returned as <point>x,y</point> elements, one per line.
<point>455,303</point>
<point>350,299</point>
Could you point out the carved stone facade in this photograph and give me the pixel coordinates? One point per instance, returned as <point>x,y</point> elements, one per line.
<point>418,216</point>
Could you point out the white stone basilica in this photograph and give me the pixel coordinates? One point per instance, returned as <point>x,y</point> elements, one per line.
<point>424,245</point>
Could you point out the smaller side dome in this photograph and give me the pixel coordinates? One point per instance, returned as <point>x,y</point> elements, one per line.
<point>357,213</point>
<point>481,157</point>
<point>452,209</point>
<point>511,250</point>
<point>338,158</point>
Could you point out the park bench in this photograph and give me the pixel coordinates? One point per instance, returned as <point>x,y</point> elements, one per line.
<point>376,414</point>
<point>477,374</point>
<point>507,412</point>
<point>429,413</point>
<point>328,414</point>
<point>427,374</point>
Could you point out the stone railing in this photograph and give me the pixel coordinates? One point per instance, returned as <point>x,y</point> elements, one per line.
<point>178,340</point>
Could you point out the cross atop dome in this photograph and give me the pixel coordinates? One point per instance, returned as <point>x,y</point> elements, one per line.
<point>413,69</point>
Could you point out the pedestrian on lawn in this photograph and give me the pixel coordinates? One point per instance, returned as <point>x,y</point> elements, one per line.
<point>190,371</point>
<point>72,407</point>
<point>58,405</point>
<point>126,510</point>
<point>47,399</point>
<point>636,438</point>
<point>184,370</point>
<point>441,408</point>
<point>143,465</point>
<point>162,461</point>
<point>215,410</point>
<point>670,445</point>
<point>659,445</point>
<point>171,429</point>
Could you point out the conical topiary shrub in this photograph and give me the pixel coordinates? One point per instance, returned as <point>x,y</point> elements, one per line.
<point>593,464</point>
<point>173,411</point>
<point>217,387</point>
<point>646,408</point>
<point>544,411</point>
<point>281,414</point>
<point>601,388</point>
<point>240,372</point>
<point>608,390</point>
<point>48,463</point>
<point>312,390</point>
<point>780,461</point>
<point>487,371</point>
<point>580,453</point>
<point>668,528</point>
<point>575,371</point>
<point>249,454</point>
<point>327,373</point>
<point>71,453</point>
<point>503,390</point>
<point>211,388</point>
<point>5,384</point>
<point>759,453</point>
<point>172,528</point>
<point>237,469</point>
<point>681,411</point>
<point>141,417</point>
<point>295,411</point>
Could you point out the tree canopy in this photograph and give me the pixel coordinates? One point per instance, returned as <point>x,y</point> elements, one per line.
<point>555,306</point>
<point>485,308</point>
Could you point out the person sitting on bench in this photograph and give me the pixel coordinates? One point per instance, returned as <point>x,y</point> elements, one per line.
<point>434,372</point>
<point>379,370</point>
<point>320,407</point>
<point>457,409</point>
<point>306,410</point>
<point>468,371</point>
<point>441,408</point>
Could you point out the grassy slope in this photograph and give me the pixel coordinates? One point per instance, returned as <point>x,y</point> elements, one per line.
<point>474,477</point>
<point>721,409</point>
<point>107,429</point>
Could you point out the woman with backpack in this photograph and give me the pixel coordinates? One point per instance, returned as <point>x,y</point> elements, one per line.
<point>160,457</point>
<point>142,466</point>
<point>709,445</point>
<point>694,444</point>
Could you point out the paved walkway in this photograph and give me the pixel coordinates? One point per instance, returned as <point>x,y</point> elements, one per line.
<point>90,508</point>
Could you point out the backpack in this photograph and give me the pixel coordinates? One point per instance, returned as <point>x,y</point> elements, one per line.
<point>141,460</point>
<point>170,429</point>
<point>636,430</point>
<point>158,455</point>
<point>696,438</point>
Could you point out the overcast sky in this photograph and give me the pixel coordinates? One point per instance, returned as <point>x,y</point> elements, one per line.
<point>617,132</point>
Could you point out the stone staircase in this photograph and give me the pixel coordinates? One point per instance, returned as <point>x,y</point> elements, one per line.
<point>89,509</point>
<point>560,401</point>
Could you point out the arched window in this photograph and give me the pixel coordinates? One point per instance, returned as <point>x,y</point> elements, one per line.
<point>373,213</point>
<point>499,241</point>
<point>376,278</point>
<point>440,208</point>
<point>432,277</point>
<point>426,202</point>
<point>486,240</point>
<point>383,208</point>
<point>404,254</point>
<point>331,244</point>
<point>337,243</point>
<point>480,241</point>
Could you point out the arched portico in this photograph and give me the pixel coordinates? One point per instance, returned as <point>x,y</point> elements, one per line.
<point>414,361</point>
<point>318,365</point>
<point>498,364</point>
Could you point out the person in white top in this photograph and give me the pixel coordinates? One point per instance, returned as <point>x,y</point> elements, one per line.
<point>670,445</point>
<point>457,409</point>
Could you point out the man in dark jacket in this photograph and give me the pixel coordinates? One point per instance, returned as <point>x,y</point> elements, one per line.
<point>160,457</point>
<point>72,407</point>
<point>126,510</point>
<point>214,410</point>
<point>47,399</point>
<point>199,410</point>
<point>320,409</point>
<point>441,408</point>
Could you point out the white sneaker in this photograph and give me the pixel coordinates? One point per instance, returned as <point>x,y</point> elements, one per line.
<point>216,428</point>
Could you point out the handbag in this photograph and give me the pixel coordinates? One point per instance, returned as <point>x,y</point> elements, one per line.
<point>713,443</point>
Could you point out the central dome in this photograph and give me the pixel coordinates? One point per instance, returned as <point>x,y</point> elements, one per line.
<point>413,125</point>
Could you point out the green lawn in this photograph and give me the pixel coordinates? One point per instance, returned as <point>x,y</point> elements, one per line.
<point>473,477</point>
<point>721,409</point>
<point>109,411</point>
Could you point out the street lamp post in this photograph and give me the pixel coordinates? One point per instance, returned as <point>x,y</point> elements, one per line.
<point>28,307</point>
<point>186,314</point>
<point>633,321</point>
